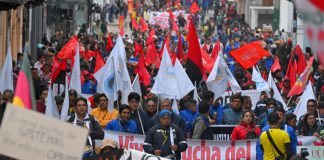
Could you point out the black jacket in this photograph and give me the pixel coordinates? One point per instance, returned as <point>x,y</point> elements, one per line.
<point>158,138</point>
<point>145,121</point>
<point>96,131</point>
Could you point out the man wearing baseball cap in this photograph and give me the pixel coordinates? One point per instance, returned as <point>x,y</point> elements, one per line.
<point>165,139</point>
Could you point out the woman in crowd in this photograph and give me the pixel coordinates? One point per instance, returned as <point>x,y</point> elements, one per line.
<point>310,125</point>
<point>247,128</point>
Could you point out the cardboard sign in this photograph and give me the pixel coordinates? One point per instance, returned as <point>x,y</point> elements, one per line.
<point>25,134</point>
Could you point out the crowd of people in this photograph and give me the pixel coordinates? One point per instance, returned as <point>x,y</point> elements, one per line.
<point>166,132</point>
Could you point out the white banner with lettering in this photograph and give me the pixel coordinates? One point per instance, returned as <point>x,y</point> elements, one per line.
<point>200,149</point>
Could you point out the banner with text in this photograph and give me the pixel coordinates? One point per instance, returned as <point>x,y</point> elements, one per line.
<point>202,149</point>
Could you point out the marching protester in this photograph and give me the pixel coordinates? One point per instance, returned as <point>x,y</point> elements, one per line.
<point>150,107</point>
<point>6,97</point>
<point>275,143</point>
<point>233,115</point>
<point>83,119</point>
<point>175,118</point>
<point>124,123</point>
<point>310,125</point>
<point>189,115</point>
<point>201,125</point>
<point>137,114</point>
<point>311,108</point>
<point>101,113</point>
<point>281,125</point>
<point>247,128</point>
<point>165,139</point>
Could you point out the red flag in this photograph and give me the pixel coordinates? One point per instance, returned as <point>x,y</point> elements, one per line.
<point>121,25</point>
<point>300,84</point>
<point>249,54</point>
<point>150,37</point>
<point>194,8</point>
<point>180,49</point>
<point>276,65</point>
<point>144,25</point>
<point>137,49</point>
<point>318,3</point>
<point>134,24</point>
<point>87,55</point>
<point>109,45</point>
<point>216,49</point>
<point>208,61</point>
<point>175,27</point>
<point>152,56</point>
<point>301,61</point>
<point>171,16</point>
<point>99,61</point>
<point>166,43</point>
<point>194,67</point>
<point>58,67</point>
<point>24,93</point>
<point>141,70</point>
<point>68,51</point>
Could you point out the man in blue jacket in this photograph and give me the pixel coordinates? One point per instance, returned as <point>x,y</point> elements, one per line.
<point>189,115</point>
<point>124,122</point>
<point>288,129</point>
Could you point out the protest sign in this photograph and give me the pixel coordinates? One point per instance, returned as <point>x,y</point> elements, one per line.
<point>25,134</point>
<point>162,18</point>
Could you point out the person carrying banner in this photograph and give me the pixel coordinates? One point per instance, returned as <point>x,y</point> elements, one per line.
<point>201,125</point>
<point>124,123</point>
<point>138,115</point>
<point>189,115</point>
<point>101,113</point>
<point>83,119</point>
<point>284,127</point>
<point>165,139</point>
<point>247,129</point>
<point>175,118</point>
<point>233,115</point>
<point>275,143</point>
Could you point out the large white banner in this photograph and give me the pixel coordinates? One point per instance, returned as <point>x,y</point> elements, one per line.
<point>197,149</point>
<point>202,149</point>
<point>162,18</point>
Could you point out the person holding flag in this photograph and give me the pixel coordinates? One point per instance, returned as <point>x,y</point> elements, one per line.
<point>165,139</point>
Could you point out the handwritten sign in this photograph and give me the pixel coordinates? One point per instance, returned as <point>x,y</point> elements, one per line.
<point>25,134</point>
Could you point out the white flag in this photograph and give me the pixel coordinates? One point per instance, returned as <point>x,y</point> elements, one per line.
<point>165,83</point>
<point>51,108</point>
<point>301,107</point>
<point>175,108</point>
<point>184,84</point>
<point>260,83</point>
<point>276,94</point>
<point>196,95</point>
<point>122,79</point>
<point>217,80</point>
<point>6,76</point>
<point>75,81</point>
<point>105,77</point>
<point>171,81</point>
<point>137,86</point>
<point>236,88</point>
<point>66,103</point>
